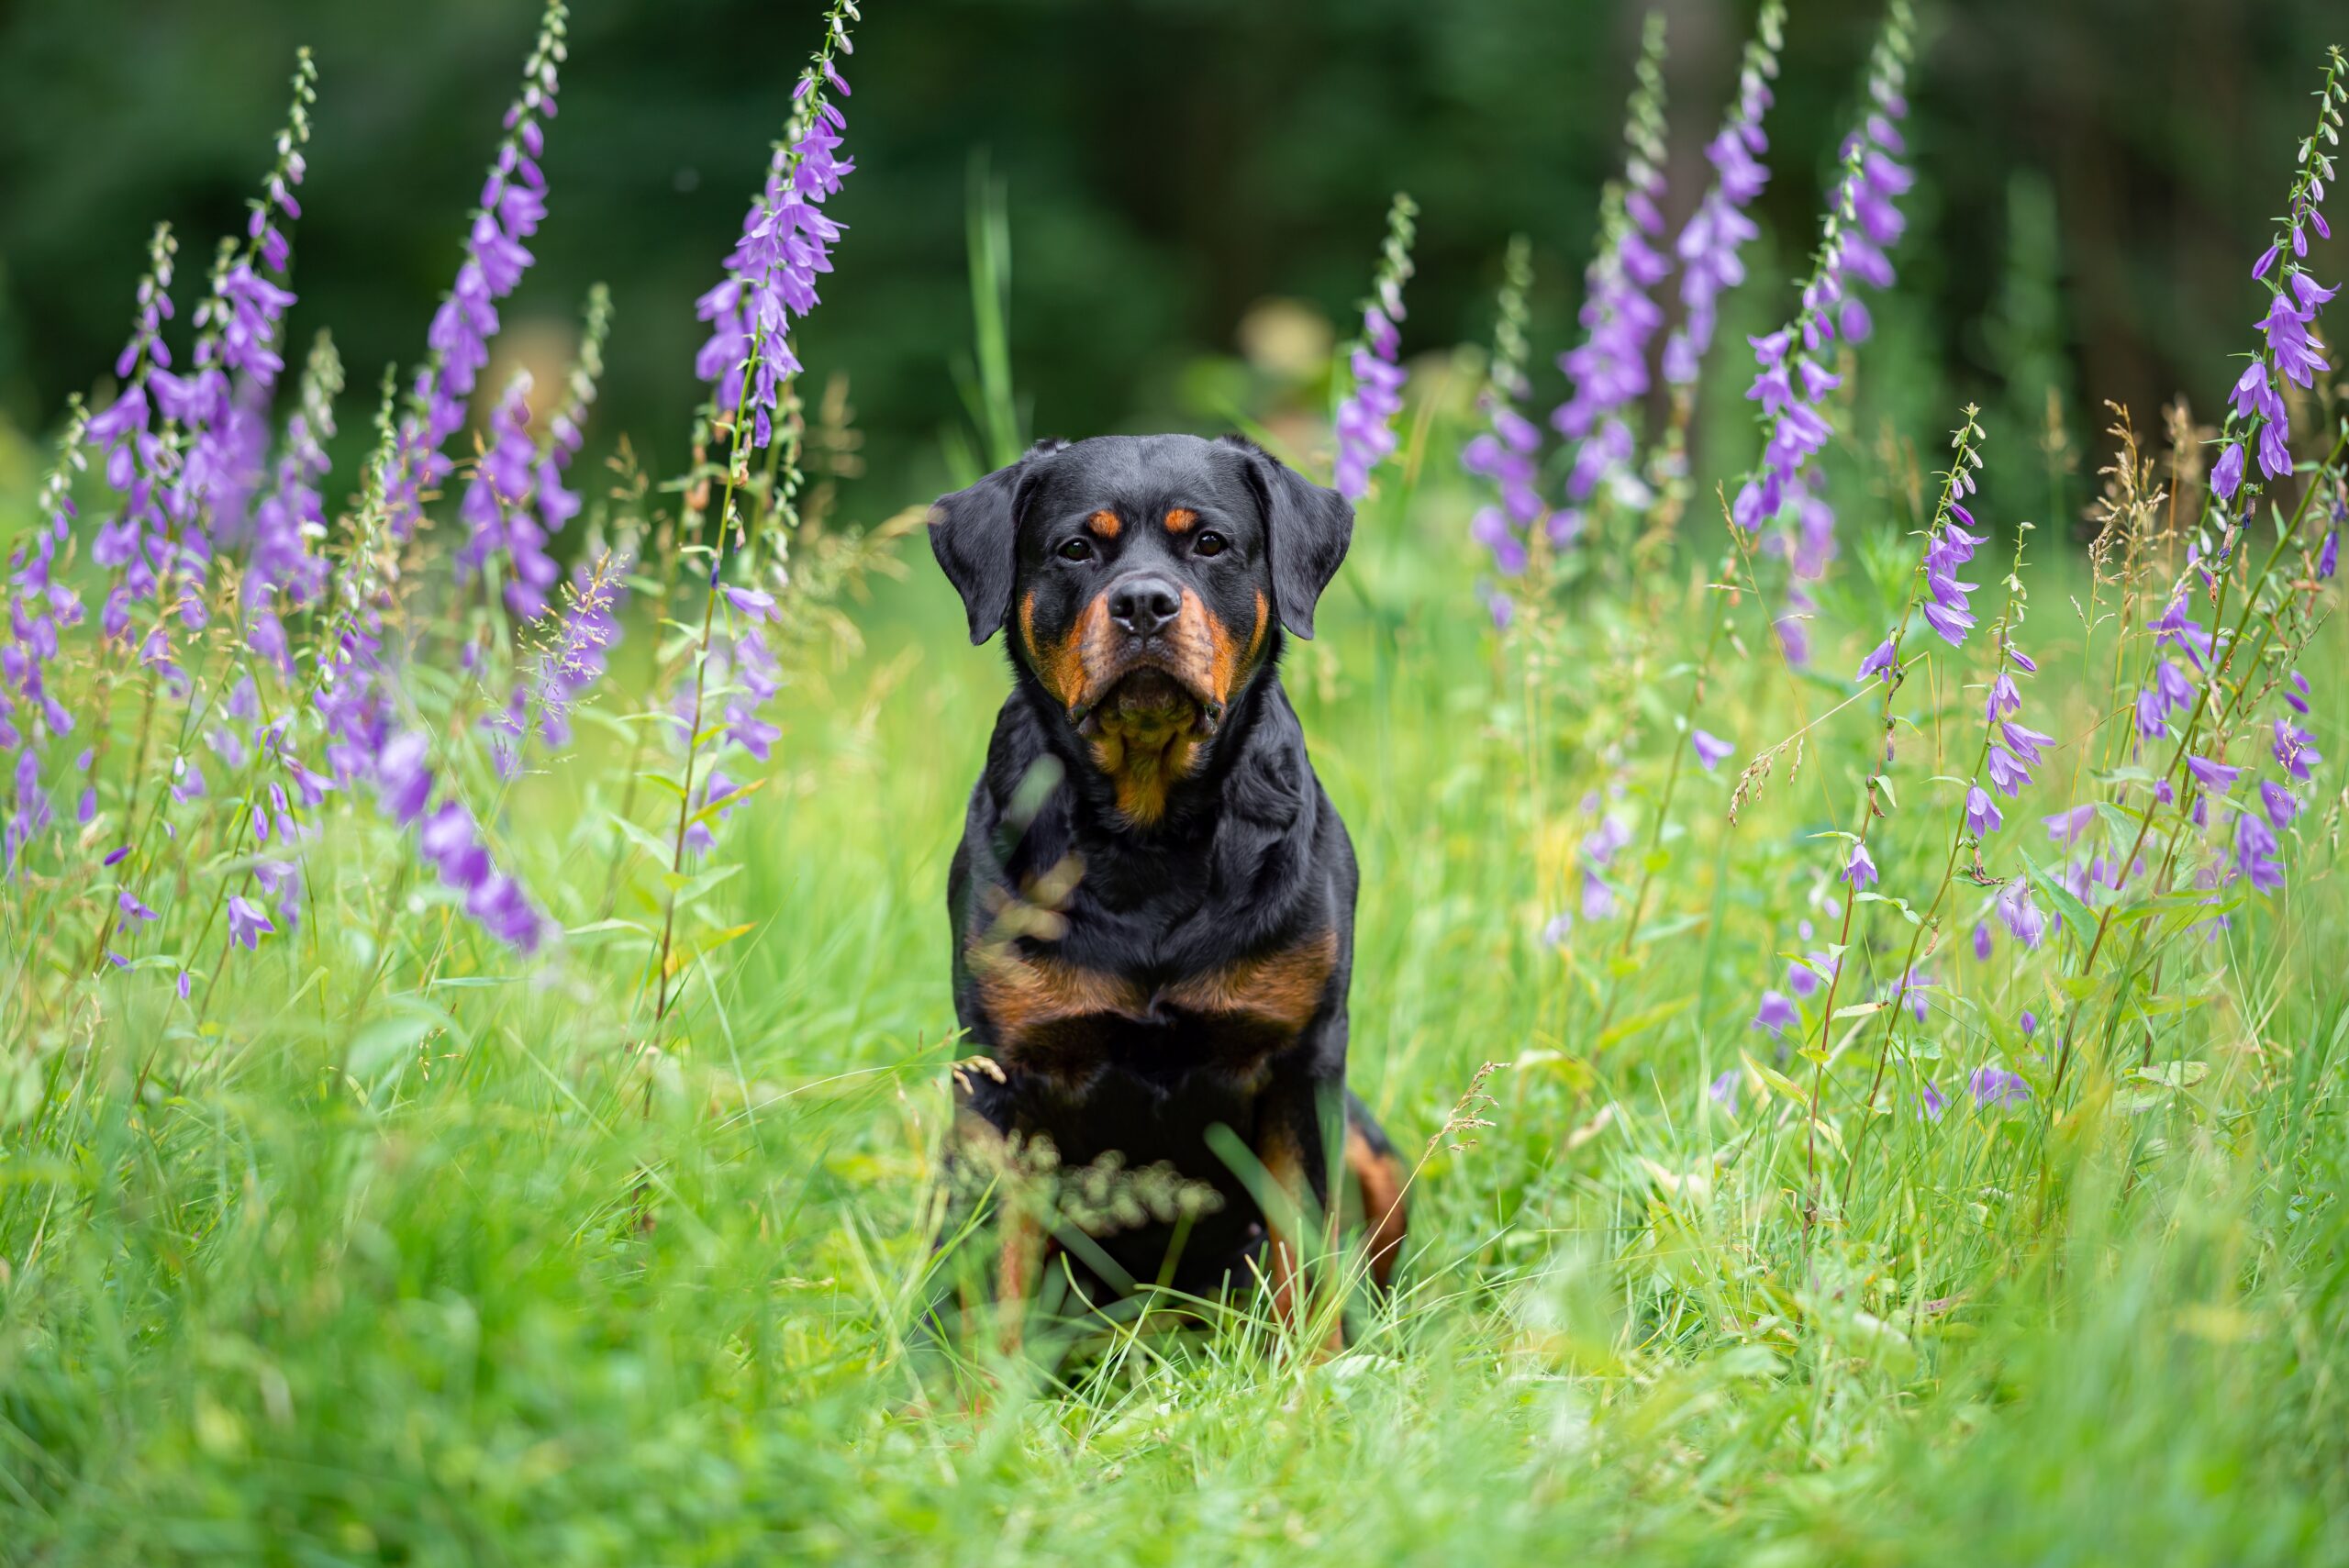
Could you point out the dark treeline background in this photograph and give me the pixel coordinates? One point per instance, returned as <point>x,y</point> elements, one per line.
<point>2097,175</point>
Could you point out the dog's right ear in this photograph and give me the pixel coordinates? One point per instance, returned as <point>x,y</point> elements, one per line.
<point>975,535</point>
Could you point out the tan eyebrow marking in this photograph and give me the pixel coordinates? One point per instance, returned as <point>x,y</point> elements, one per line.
<point>1104,523</point>
<point>1180,518</point>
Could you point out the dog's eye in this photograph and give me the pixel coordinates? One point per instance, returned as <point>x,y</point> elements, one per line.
<point>1209,544</point>
<point>1075,550</point>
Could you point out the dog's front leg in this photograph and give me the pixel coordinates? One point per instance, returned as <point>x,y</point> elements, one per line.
<point>1291,1148</point>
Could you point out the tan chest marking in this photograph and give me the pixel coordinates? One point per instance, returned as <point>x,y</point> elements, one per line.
<point>1279,991</point>
<point>1282,988</point>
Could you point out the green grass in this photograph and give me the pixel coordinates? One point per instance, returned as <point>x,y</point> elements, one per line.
<point>357,1275</point>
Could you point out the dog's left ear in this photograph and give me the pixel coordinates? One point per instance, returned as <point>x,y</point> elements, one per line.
<point>975,535</point>
<point>1306,528</point>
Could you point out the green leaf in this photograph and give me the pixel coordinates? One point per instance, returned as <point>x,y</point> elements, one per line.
<point>1646,1018</point>
<point>643,840</point>
<point>2079,925</point>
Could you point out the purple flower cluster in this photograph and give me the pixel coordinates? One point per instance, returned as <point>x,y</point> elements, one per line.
<point>138,460</point>
<point>2014,749</point>
<point>1609,369</point>
<point>2172,692</point>
<point>2023,919</point>
<point>450,839</point>
<point>1861,223</point>
<point>785,245</point>
<point>514,501</point>
<point>40,609</point>
<point>1364,425</point>
<point>566,668</point>
<point>1709,245</point>
<point>1365,422</point>
<point>285,570</point>
<point>1995,1086</point>
<point>513,204</point>
<point>221,405</point>
<point>2257,420</point>
<point>1506,453</point>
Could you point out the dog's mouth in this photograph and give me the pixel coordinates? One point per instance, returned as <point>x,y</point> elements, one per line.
<point>1150,701</point>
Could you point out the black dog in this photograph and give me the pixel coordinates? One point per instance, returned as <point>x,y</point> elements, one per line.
<point>1154,956</point>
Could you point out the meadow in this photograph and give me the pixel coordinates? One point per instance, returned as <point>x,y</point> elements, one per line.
<point>505,1130</point>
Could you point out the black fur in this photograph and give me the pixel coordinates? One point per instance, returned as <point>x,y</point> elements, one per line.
<point>1247,859</point>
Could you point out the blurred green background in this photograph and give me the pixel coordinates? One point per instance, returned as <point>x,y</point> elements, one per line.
<point>2096,175</point>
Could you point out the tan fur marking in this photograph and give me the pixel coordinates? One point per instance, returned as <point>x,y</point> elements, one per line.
<point>1283,988</point>
<point>1023,994</point>
<point>1290,1278</point>
<point>1104,523</point>
<point>1027,631</point>
<point>1143,758</point>
<point>1070,670</point>
<point>1019,1264</point>
<point>1379,1178</point>
<point>1180,519</point>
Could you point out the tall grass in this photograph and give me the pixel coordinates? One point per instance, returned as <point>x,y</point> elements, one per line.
<point>550,1179</point>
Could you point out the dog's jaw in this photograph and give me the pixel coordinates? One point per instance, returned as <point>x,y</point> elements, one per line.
<point>1147,711</point>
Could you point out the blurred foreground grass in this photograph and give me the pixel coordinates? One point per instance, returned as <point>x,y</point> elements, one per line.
<point>354,1272</point>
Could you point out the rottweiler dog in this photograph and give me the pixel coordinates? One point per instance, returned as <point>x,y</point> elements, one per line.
<point>1152,903</point>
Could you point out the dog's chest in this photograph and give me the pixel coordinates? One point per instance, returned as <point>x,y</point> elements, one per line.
<point>1051,1014</point>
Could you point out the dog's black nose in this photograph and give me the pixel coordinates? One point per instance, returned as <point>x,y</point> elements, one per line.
<point>1144,605</point>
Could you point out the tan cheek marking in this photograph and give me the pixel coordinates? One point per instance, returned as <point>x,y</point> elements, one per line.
<point>1191,644</point>
<point>1086,653</point>
<point>1027,634</point>
<point>1104,523</point>
<point>1180,519</point>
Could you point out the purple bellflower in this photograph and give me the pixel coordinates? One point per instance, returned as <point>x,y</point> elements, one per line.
<point>786,246</point>
<point>1708,244</point>
<point>1607,369</point>
<point>1365,426</point>
<point>513,204</point>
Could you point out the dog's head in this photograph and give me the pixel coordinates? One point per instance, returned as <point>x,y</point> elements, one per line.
<point>1145,580</point>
